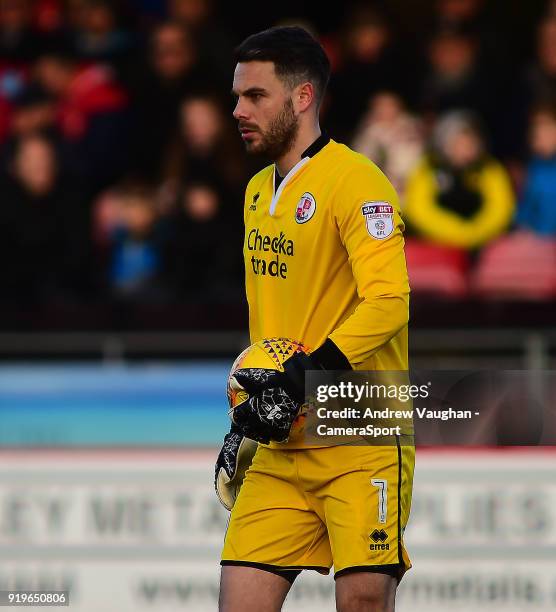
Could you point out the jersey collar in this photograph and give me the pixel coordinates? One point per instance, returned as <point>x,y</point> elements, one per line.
<point>279,183</point>
<point>317,146</point>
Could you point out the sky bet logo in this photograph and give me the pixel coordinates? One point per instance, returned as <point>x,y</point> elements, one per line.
<point>278,247</point>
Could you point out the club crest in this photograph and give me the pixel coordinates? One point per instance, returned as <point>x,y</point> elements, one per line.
<point>305,208</point>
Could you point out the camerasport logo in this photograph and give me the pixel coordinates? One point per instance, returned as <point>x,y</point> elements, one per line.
<point>379,217</point>
<point>305,208</point>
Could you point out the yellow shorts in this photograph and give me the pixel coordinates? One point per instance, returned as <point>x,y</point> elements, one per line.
<point>345,506</point>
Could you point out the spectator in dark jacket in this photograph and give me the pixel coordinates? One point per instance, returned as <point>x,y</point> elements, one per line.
<point>43,228</point>
<point>172,72</point>
<point>206,150</point>
<point>204,258</point>
<point>212,37</point>
<point>100,35</point>
<point>370,62</point>
<point>455,77</point>
<point>459,76</point>
<point>18,41</point>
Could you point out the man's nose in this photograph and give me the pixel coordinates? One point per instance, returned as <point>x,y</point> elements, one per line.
<point>240,111</point>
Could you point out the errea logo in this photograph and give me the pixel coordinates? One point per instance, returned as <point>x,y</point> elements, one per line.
<point>379,537</point>
<point>254,203</point>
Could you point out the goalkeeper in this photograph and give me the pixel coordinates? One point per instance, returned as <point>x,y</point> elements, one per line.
<point>324,265</point>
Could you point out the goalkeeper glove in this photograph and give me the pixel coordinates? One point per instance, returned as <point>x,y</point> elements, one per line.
<point>269,412</point>
<point>233,460</point>
<point>276,397</point>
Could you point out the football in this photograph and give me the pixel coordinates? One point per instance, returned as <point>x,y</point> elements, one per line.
<point>268,354</point>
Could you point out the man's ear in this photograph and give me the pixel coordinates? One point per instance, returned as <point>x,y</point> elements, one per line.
<point>304,97</point>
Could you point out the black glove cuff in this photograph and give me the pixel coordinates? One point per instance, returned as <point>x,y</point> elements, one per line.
<point>329,357</point>
<point>326,357</point>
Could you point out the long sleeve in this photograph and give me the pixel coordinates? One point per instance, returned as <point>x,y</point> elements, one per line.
<point>370,228</point>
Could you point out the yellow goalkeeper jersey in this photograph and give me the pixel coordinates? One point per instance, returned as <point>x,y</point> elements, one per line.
<point>324,258</point>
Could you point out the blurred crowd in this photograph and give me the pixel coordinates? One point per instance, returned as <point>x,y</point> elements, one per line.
<point>122,172</point>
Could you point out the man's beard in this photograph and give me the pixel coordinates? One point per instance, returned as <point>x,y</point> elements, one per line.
<point>281,134</point>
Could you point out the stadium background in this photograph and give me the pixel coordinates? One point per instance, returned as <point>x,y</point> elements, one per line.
<point>121,303</point>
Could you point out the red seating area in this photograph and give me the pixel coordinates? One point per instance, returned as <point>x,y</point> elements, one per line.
<point>436,269</point>
<point>520,266</point>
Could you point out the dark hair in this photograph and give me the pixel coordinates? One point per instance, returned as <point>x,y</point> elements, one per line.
<point>545,105</point>
<point>296,55</point>
<point>31,95</point>
<point>59,51</point>
<point>131,187</point>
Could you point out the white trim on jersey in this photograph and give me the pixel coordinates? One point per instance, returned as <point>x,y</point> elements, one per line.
<point>285,180</point>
